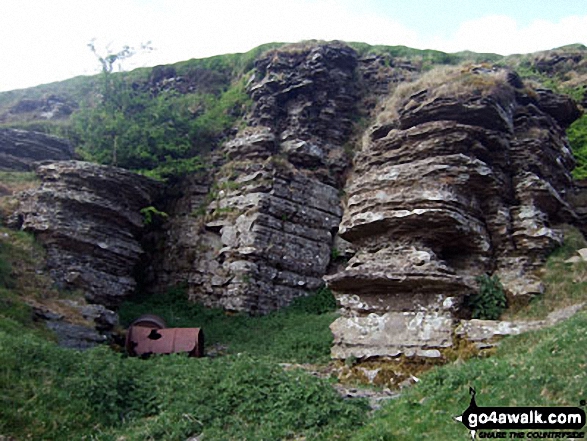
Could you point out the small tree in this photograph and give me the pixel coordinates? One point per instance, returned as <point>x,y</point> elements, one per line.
<point>115,96</point>
<point>110,58</point>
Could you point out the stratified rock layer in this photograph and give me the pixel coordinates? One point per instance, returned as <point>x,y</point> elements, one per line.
<point>461,182</point>
<point>88,218</point>
<point>259,232</point>
<point>20,149</point>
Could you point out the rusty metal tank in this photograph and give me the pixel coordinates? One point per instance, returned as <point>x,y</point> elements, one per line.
<point>150,321</point>
<point>148,335</point>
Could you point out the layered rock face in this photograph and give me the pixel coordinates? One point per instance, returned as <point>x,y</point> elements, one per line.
<point>20,149</point>
<point>88,218</point>
<point>462,178</point>
<point>259,232</point>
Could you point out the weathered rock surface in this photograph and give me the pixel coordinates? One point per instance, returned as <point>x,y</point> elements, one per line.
<point>20,149</point>
<point>487,333</point>
<point>88,218</point>
<point>48,107</point>
<point>458,182</point>
<point>259,232</point>
<point>462,182</point>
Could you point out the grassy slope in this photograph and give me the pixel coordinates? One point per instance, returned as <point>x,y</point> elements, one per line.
<point>227,73</point>
<point>545,368</point>
<point>53,393</point>
<point>298,334</point>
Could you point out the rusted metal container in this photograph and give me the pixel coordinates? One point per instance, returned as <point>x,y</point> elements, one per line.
<point>141,340</point>
<point>150,321</point>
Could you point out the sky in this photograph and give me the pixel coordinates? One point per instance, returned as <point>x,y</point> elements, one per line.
<point>42,41</point>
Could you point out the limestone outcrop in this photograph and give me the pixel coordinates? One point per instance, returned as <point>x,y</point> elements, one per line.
<point>20,149</point>
<point>466,173</point>
<point>88,218</point>
<point>259,231</point>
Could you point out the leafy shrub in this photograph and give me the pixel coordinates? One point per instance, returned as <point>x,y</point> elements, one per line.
<point>490,301</point>
<point>162,135</point>
<point>320,302</point>
<point>151,213</point>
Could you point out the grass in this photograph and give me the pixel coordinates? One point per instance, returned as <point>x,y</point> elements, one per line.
<point>447,82</point>
<point>47,392</point>
<point>242,393</point>
<point>544,368</point>
<point>20,283</point>
<point>298,334</point>
<point>53,393</point>
<point>12,183</point>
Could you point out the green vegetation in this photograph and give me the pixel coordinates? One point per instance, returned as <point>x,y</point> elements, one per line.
<point>5,266</point>
<point>162,135</point>
<point>544,368</point>
<point>53,393</point>
<point>241,392</point>
<point>297,334</point>
<point>123,121</point>
<point>490,302</point>
<point>423,58</point>
<point>19,283</point>
<point>166,133</point>
<point>150,213</point>
<point>577,134</point>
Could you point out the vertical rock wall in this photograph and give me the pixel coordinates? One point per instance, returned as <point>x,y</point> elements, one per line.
<point>260,231</point>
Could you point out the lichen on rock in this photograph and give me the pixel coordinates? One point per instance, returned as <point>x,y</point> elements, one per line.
<point>465,173</point>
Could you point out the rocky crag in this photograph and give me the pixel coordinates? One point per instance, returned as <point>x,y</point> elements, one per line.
<point>89,218</point>
<point>466,173</point>
<point>258,232</point>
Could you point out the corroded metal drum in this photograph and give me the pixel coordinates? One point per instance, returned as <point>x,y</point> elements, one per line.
<point>148,335</point>
<point>150,321</point>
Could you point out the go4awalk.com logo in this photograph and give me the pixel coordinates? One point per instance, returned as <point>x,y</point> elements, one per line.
<point>525,422</point>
